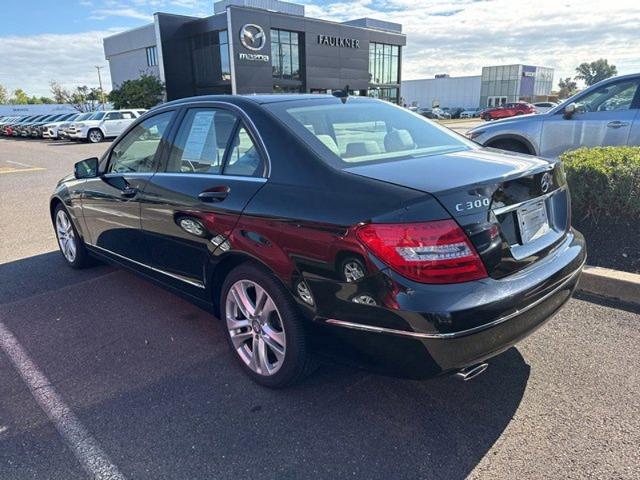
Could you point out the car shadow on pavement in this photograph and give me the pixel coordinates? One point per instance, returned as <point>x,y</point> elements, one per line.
<point>153,379</point>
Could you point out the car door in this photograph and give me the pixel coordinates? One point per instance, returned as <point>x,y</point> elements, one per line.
<point>111,202</point>
<point>111,123</point>
<point>603,117</point>
<point>211,172</point>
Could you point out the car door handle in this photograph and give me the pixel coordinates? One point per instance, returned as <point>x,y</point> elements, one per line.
<point>216,194</point>
<point>129,192</point>
<point>617,124</point>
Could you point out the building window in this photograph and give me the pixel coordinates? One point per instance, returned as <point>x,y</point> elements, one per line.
<point>285,54</point>
<point>152,56</point>
<point>383,63</point>
<point>211,63</point>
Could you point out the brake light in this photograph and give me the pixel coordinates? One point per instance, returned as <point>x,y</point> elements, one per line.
<point>430,252</point>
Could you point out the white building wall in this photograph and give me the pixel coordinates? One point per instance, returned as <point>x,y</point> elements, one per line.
<point>127,54</point>
<point>448,92</point>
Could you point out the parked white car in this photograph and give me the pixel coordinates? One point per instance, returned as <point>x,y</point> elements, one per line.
<point>544,107</point>
<point>101,125</point>
<point>472,113</point>
<point>51,130</point>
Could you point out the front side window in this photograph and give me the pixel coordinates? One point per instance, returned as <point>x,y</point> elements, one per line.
<point>137,149</point>
<point>201,141</point>
<point>244,158</point>
<point>362,131</point>
<point>608,98</point>
<point>113,116</point>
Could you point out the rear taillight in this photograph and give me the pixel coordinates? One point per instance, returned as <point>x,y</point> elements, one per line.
<point>430,252</point>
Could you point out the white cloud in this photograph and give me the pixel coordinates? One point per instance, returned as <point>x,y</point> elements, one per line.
<point>443,36</point>
<point>31,62</point>
<point>459,37</point>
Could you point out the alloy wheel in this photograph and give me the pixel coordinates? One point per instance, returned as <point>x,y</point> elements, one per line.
<point>95,136</point>
<point>255,327</point>
<point>66,236</point>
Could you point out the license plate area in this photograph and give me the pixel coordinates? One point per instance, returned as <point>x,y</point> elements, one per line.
<point>533,221</point>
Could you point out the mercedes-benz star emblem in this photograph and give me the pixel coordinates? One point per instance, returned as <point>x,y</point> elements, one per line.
<point>545,182</point>
<point>252,37</point>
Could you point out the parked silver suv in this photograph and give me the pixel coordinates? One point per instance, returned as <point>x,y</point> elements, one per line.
<point>605,114</point>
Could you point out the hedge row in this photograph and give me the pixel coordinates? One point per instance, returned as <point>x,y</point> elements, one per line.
<point>604,182</point>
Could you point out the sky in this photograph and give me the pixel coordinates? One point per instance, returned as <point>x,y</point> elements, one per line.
<point>61,40</point>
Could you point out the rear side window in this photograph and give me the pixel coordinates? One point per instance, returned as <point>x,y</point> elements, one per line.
<point>202,141</point>
<point>113,116</point>
<point>244,159</point>
<point>137,150</point>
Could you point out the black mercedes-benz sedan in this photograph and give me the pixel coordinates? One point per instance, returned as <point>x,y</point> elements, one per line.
<point>314,224</point>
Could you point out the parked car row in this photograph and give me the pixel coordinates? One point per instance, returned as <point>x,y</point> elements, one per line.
<point>92,126</point>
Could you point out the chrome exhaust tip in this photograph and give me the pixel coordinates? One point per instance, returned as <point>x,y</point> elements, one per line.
<point>469,373</point>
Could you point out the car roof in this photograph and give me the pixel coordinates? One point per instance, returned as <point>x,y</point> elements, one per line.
<point>260,99</point>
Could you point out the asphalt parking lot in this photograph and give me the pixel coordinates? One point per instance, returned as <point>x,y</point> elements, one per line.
<point>144,381</point>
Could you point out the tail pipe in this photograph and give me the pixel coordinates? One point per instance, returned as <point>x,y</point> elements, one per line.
<point>469,373</point>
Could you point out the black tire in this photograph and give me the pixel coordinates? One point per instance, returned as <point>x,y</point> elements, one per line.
<point>95,135</point>
<point>298,361</point>
<point>81,259</point>
<point>510,145</point>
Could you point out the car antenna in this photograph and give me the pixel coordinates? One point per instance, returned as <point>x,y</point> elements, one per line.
<point>342,94</point>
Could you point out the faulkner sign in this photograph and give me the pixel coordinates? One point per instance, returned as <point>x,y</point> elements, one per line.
<point>333,41</point>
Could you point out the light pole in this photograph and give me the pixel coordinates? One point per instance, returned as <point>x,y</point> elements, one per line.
<point>100,82</point>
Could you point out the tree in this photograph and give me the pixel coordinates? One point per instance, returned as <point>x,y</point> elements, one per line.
<point>60,94</point>
<point>144,92</point>
<point>593,72</point>
<point>4,96</point>
<point>19,97</point>
<point>84,99</point>
<point>567,87</point>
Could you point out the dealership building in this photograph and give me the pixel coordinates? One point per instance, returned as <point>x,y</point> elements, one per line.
<point>260,46</point>
<point>496,86</point>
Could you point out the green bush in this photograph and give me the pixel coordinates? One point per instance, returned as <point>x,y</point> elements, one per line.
<point>604,182</point>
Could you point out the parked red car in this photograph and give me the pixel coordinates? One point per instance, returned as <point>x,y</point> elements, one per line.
<point>508,110</point>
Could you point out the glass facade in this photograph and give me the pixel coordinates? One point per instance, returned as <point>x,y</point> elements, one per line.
<point>383,63</point>
<point>513,83</point>
<point>384,71</point>
<point>211,65</point>
<point>285,54</point>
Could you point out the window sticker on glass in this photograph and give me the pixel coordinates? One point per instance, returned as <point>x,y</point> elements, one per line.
<point>201,131</point>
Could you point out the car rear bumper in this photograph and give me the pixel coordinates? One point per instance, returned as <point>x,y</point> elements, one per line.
<point>442,328</point>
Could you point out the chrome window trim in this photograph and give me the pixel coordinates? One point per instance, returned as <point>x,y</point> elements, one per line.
<point>195,283</point>
<point>462,333</point>
<point>212,175</point>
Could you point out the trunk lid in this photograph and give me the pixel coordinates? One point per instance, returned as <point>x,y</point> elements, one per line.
<point>514,207</point>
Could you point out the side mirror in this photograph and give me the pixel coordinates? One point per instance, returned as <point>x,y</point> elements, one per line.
<point>86,168</point>
<point>570,110</point>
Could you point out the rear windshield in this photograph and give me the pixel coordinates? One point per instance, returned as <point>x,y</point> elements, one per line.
<point>364,131</point>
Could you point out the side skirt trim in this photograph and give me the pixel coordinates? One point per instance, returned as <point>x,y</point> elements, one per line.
<point>194,283</point>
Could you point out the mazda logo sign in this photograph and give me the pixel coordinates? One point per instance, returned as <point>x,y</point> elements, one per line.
<point>252,37</point>
<point>545,182</point>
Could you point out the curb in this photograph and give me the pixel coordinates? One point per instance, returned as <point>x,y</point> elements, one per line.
<point>612,284</point>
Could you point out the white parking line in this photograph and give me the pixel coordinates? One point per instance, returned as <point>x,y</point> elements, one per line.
<point>19,163</point>
<point>83,445</point>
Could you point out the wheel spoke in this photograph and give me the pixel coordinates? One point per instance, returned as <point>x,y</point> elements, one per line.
<point>261,299</point>
<point>275,338</point>
<point>267,309</point>
<point>278,350</point>
<point>235,324</point>
<point>263,360</point>
<point>240,338</point>
<point>242,300</point>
